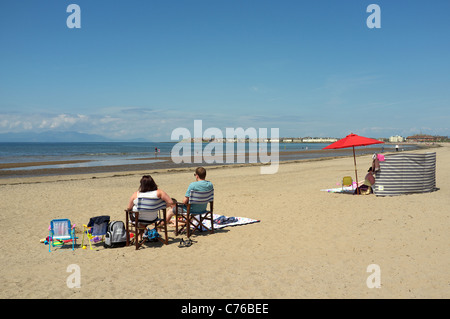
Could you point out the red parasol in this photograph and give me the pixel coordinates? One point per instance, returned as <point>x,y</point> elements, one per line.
<point>353,140</point>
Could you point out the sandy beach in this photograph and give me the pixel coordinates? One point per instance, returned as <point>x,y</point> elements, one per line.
<point>308,243</point>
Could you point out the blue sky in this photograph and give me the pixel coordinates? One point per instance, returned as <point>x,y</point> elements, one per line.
<point>141,68</point>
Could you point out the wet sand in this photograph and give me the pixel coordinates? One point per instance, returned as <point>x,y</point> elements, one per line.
<point>28,164</point>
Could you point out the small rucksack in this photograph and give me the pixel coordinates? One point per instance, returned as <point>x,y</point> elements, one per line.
<point>116,236</point>
<point>151,234</point>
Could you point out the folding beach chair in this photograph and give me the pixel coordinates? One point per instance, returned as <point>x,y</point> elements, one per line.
<point>95,230</point>
<point>61,232</point>
<point>347,181</point>
<point>148,213</point>
<point>195,219</point>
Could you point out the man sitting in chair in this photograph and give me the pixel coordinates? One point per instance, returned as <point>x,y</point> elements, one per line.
<point>200,185</point>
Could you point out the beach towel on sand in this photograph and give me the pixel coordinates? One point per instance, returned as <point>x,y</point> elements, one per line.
<point>345,189</point>
<point>221,221</point>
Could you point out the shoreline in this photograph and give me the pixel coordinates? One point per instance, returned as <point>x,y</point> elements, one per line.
<point>7,169</point>
<point>46,175</point>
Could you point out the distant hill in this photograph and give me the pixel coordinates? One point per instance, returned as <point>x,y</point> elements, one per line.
<point>52,136</point>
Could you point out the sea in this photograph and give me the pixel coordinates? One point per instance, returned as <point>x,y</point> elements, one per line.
<point>127,153</point>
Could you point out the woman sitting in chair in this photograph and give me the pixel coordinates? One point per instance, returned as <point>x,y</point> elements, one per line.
<point>148,189</point>
<point>366,187</point>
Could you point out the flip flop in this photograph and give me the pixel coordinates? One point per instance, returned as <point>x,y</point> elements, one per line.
<point>182,243</point>
<point>186,243</point>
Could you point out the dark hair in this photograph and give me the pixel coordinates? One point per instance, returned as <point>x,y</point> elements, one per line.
<point>370,169</point>
<point>201,172</point>
<point>147,184</point>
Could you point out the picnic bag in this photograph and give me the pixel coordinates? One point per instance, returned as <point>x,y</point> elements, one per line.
<point>116,236</point>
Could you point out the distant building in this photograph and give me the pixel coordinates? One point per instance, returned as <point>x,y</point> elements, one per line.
<point>426,138</point>
<point>319,140</point>
<point>396,139</point>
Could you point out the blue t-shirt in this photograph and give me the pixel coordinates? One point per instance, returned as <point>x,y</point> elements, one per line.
<point>201,186</point>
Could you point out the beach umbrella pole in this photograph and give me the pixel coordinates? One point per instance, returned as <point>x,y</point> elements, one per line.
<point>356,171</point>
